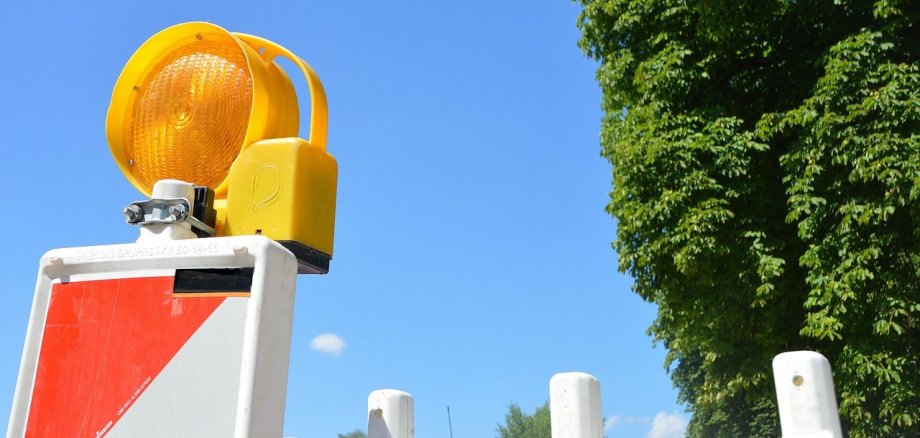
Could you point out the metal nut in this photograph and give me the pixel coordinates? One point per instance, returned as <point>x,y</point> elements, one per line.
<point>177,212</point>
<point>133,214</point>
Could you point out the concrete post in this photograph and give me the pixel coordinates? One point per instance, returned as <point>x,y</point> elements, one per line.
<point>805,396</point>
<point>390,414</point>
<point>575,406</point>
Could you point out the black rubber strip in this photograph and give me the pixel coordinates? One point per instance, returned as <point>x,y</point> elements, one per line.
<point>213,280</point>
<point>309,260</point>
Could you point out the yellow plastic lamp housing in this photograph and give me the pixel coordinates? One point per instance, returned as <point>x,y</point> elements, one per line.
<point>285,188</point>
<point>191,103</point>
<point>189,100</point>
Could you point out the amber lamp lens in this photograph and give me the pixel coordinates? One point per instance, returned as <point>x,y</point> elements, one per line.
<point>189,115</point>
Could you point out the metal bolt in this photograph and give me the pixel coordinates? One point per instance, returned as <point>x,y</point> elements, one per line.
<point>133,214</point>
<point>177,212</point>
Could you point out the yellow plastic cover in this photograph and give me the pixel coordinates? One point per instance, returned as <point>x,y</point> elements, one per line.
<point>284,189</point>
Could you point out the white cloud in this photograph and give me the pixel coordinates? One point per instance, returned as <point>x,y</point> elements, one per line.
<point>328,343</point>
<point>668,426</point>
<point>616,420</point>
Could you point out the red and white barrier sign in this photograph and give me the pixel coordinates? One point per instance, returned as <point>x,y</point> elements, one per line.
<point>176,338</point>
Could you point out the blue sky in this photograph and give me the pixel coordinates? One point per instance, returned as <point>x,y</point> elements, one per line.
<point>472,253</point>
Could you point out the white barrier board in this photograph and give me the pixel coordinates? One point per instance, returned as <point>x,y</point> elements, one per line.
<point>172,338</point>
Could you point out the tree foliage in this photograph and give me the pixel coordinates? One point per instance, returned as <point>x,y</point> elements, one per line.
<point>766,179</point>
<point>521,425</point>
<point>357,433</point>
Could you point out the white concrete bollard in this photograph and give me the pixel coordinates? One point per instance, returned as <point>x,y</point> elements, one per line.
<point>390,414</point>
<point>805,395</point>
<point>575,406</point>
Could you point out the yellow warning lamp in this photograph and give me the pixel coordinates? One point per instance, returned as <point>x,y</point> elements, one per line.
<point>203,105</point>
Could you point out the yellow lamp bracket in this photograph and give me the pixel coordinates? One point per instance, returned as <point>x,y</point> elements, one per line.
<point>200,104</point>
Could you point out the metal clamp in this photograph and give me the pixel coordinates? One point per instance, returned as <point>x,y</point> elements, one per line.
<point>163,211</point>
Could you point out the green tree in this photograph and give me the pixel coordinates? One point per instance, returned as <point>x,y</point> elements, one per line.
<point>766,179</point>
<point>521,425</point>
<point>357,433</point>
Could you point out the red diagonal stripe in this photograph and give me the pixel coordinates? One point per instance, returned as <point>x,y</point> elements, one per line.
<point>104,342</point>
